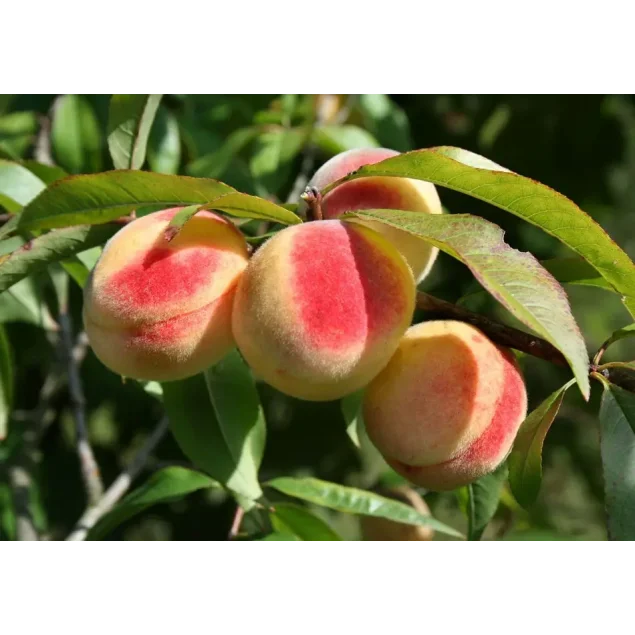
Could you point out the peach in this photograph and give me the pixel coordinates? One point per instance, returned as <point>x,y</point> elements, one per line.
<point>321,308</point>
<point>446,408</point>
<point>380,193</point>
<point>374,528</point>
<point>161,310</point>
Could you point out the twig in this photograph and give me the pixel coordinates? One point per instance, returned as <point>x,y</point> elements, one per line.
<point>501,334</point>
<point>119,486</point>
<point>90,470</point>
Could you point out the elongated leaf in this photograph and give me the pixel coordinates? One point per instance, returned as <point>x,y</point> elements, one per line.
<point>6,382</point>
<point>99,198</point>
<point>10,226</point>
<point>301,522</point>
<point>516,279</point>
<point>536,203</point>
<point>280,535</point>
<point>75,135</point>
<point>351,406</point>
<point>271,160</point>
<point>576,270</point>
<point>52,247</point>
<point>23,303</point>
<point>193,421</point>
<point>164,144</point>
<point>386,121</point>
<point>525,460</point>
<point>336,139</point>
<point>240,416</point>
<point>240,205</point>
<point>165,485</point>
<point>76,269</point>
<point>355,501</point>
<point>617,446</point>
<point>129,121</point>
<point>18,186</point>
<point>17,133</point>
<point>620,373</point>
<point>483,498</point>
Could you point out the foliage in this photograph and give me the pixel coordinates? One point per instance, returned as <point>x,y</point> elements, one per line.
<point>247,447</point>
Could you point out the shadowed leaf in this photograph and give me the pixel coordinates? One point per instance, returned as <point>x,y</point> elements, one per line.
<point>516,279</point>
<point>525,460</point>
<point>165,485</point>
<point>356,501</point>
<point>130,118</point>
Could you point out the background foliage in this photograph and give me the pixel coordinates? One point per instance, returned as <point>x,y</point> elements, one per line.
<point>582,146</point>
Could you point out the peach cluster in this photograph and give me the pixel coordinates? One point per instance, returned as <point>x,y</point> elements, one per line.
<point>321,310</point>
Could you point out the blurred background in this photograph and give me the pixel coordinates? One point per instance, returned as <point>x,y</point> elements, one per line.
<point>269,145</point>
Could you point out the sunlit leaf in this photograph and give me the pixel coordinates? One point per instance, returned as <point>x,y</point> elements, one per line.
<point>516,279</point>
<point>52,247</point>
<point>525,460</point>
<point>534,202</point>
<point>301,522</point>
<point>355,501</point>
<point>18,186</point>
<point>130,118</point>
<point>483,498</point>
<point>386,121</point>
<point>6,382</point>
<point>165,485</point>
<point>76,137</point>
<point>99,198</point>
<point>617,446</point>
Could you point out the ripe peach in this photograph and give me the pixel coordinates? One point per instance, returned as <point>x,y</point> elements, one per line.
<point>374,528</point>
<point>162,310</point>
<point>446,408</point>
<point>380,193</point>
<point>321,308</point>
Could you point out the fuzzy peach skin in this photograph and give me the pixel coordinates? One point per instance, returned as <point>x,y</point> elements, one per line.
<point>446,409</point>
<point>321,308</point>
<point>162,310</point>
<point>380,193</point>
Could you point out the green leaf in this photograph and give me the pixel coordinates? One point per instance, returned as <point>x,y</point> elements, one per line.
<point>271,160</point>
<point>536,534</point>
<point>18,186</point>
<point>617,447</point>
<point>620,373</point>
<point>483,498</point>
<point>229,451</point>
<point>130,118</point>
<point>516,279</point>
<point>46,173</point>
<point>356,501</point>
<point>240,205</point>
<point>17,133</point>
<point>6,382</point>
<point>52,247</point>
<point>75,135</point>
<point>164,145</point>
<point>10,226</point>
<point>301,522</point>
<point>76,269</point>
<point>23,303</point>
<point>536,203</point>
<point>335,139</point>
<point>386,121</point>
<point>165,485</point>
<point>280,535</point>
<point>99,198</point>
<point>525,460</point>
<point>214,164</point>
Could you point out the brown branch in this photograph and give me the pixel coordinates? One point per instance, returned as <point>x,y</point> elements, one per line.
<point>238,519</point>
<point>120,485</point>
<point>501,334</point>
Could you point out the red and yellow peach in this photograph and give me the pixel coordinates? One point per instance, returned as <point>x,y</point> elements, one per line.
<point>321,308</point>
<point>161,310</point>
<point>446,408</point>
